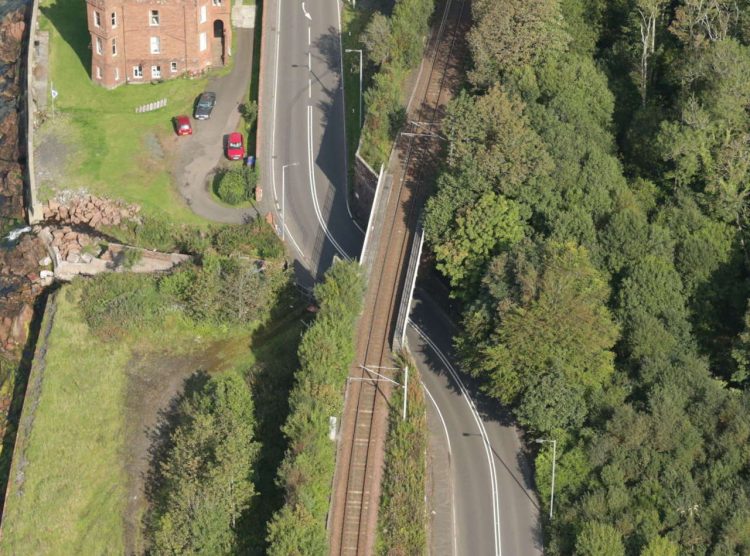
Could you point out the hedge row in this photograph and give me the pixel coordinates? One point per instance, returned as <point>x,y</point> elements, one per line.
<point>404,43</point>
<point>402,522</point>
<point>325,353</point>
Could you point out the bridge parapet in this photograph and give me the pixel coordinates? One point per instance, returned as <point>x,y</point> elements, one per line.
<point>375,222</point>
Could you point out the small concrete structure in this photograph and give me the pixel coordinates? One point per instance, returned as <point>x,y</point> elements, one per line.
<point>243,17</point>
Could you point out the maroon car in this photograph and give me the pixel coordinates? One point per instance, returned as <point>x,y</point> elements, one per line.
<point>235,146</point>
<point>182,125</point>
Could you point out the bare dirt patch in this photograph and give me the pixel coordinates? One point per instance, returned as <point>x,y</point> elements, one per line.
<point>55,145</point>
<point>155,381</point>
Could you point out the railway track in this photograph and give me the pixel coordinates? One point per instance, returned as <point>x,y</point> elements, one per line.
<point>359,463</point>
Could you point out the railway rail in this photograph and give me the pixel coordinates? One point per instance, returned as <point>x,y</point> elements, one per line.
<point>360,457</point>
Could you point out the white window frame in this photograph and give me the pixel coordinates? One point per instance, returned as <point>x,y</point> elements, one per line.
<point>138,72</point>
<point>173,67</point>
<point>154,18</point>
<point>98,72</point>
<point>204,14</point>
<point>202,42</point>
<point>114,46</point>
<point>99,45</point>
<point>97,19</point>
<point>155,45</point>
<point>216,2</point>
<point>117,74</point>
<point>156,72</point>
<point>113,20</point>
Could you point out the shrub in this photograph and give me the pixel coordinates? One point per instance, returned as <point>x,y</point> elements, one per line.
<point>403,513</point>
<point>120,301</point>
<point>232,187</point>
<point>204,483</point>
<point>398,44</point>
<point>325,353</point>
<point>256,239</point>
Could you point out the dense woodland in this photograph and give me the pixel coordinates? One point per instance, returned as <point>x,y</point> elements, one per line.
<point>592,219</point>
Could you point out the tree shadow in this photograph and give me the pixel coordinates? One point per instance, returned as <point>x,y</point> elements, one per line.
<point>160,438</point>
<point>271,379</point>
<point>70,20</point>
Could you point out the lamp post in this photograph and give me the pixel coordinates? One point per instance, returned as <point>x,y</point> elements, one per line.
<point>283,199</point>
<point>360,81</point>
<point>554,457</point>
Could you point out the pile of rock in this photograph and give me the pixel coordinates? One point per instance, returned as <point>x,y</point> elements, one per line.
<point>95,212</point>
<point>72,246</point>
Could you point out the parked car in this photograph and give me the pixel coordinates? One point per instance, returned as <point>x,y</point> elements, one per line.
<point>182,125</point>
<point>204,106</point>
<point>235,146</point>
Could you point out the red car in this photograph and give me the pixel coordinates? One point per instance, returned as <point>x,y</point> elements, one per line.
<point>235,146</point>
<point>182,125</point>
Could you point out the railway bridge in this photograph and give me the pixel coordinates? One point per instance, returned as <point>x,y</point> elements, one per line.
<point>390,256</point>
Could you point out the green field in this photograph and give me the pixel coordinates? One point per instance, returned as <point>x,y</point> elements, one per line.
<point>73,492</point>
<point>80,473</point>
<point>107,148</point>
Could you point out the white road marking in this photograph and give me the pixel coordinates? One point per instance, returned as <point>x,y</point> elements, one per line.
<point>314,190</point>
<point>309,88</point>
<point>450,461</point>
<point>273,131</point>
<point>307,15</point>
<point>482,432</point>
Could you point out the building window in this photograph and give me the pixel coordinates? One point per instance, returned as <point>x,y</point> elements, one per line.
<point>114,47</point>
<point>138,71</point>
<point>155,45</point>
<point>98,45</point>
<point>98,72</point>
<point>202,42</point>
<point>114,19</point>
<point>155,72</point>
<point>173,67</point>
<point>154,19</point>
<point>216,2</point>
<point>97,19</point>
<point>117,74</point>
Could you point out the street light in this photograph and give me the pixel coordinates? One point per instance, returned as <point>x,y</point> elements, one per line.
<point>283,198</point>
<point>360,81</point>
<point>554,457</point>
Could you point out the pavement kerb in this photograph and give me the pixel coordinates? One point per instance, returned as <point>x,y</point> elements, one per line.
<point>259,128</point>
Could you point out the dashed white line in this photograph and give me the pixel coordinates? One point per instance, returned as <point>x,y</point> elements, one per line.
<point>273,130</point>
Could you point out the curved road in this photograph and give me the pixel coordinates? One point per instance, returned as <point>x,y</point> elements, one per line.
<point>304,150</point>
<point>483,503</point>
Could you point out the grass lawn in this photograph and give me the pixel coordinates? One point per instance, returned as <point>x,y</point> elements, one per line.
<point>112,150</point>
<point>87,452</point>
<point>353,22</point>
<point>74,486</point>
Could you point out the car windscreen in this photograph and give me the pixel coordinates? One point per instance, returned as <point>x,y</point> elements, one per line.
<point>235,144</point>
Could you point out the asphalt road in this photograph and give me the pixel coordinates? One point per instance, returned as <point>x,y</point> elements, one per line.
<point>482,500</point>
<point>488,478</point>
<point>304,155</point>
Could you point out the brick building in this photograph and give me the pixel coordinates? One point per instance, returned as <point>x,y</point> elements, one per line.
<point>138,41</point>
